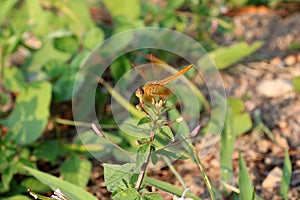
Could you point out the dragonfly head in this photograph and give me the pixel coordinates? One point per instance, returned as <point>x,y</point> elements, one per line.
<point>139,93</point>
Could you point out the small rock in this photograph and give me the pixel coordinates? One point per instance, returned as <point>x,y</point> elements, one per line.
<point>298,163</point>
<point>273,179</point>
<point>264,146</point>
<point>298,57</point>
<point>290,60</point>
<point>281,141</point>
<point>277,62</point>
<point>274,88</point>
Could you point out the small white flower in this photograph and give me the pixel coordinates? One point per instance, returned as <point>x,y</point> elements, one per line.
<point>58,195</point>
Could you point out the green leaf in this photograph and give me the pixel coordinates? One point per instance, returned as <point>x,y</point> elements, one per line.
<point>17,197</point>
<point>242,123</point>
<point>13,79</point>
<point>236,104</point>
<point>115,176</point>
<point>30,115</point>
<point>167,187</point>
<point>286,176</point>
<point>55,68</point>
<point>224,57</point>
<point>38,17</point>
<point>142,155</point>
<point>44,55</point>
<point>151,196</point>
<point>166,131</point>
<point>127,194</point>
<point>130,9</point>
<point>35,185</point>
<point>6,7</point>
<point>63,87</point>
<point>93,38</point>
<point>144,120</point>
<point>119,67</point>
<point>296,84</point>
<point>227,147</point>
<point>76,170</point>
<point>67,44</point>
<point>245,183</point>
<point>73,192</point>
<point>49,151</point>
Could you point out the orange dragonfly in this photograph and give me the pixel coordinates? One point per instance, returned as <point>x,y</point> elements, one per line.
<point>154,89</point>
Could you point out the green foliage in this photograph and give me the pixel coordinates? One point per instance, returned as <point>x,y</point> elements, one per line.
<point>296,84</point>
<point>227,146</point>
<point>245,183</point>
<point>35,185</point>
<point>43,149</point>
<point>286,176</point>
<point>31,112</point>
<point>241,120</point>
<point>225,57</point>
<point>76,170</point>
<point>117,177</point>
<point>71,191</point>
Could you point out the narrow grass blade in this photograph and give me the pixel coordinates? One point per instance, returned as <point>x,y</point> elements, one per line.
<point>286,176</point>
<point>245,183</point>
<point>169,188</point>
<point>227,147</point>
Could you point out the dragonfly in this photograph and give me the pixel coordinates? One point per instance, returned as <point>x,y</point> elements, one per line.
<point>156,89</point>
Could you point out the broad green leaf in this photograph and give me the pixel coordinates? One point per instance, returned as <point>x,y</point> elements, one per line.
<point>78,12</point>
<point>296,84</point>
<point>44,55</point>
<point>127,194</point>
<point>227,147</point>
<point>71,191</point>
<point>76,170</point>
<point>144,120</point>
<point>55,68</point>
<point>93,37</point>
<point>166,131</point>
<point>13,79</point>
<point>224,57</point>
<point>115,176</point>
<point>35,185</point>
<point>245,183</point>
<point>68,44</point>
<point>130,9</point>
<point>49,151</point>
<point>242,123</point>
<point>236,104</point>
<point>142,155</point>
<point>38,17</point>
<point>30,115</point>
<point>286,176</point>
